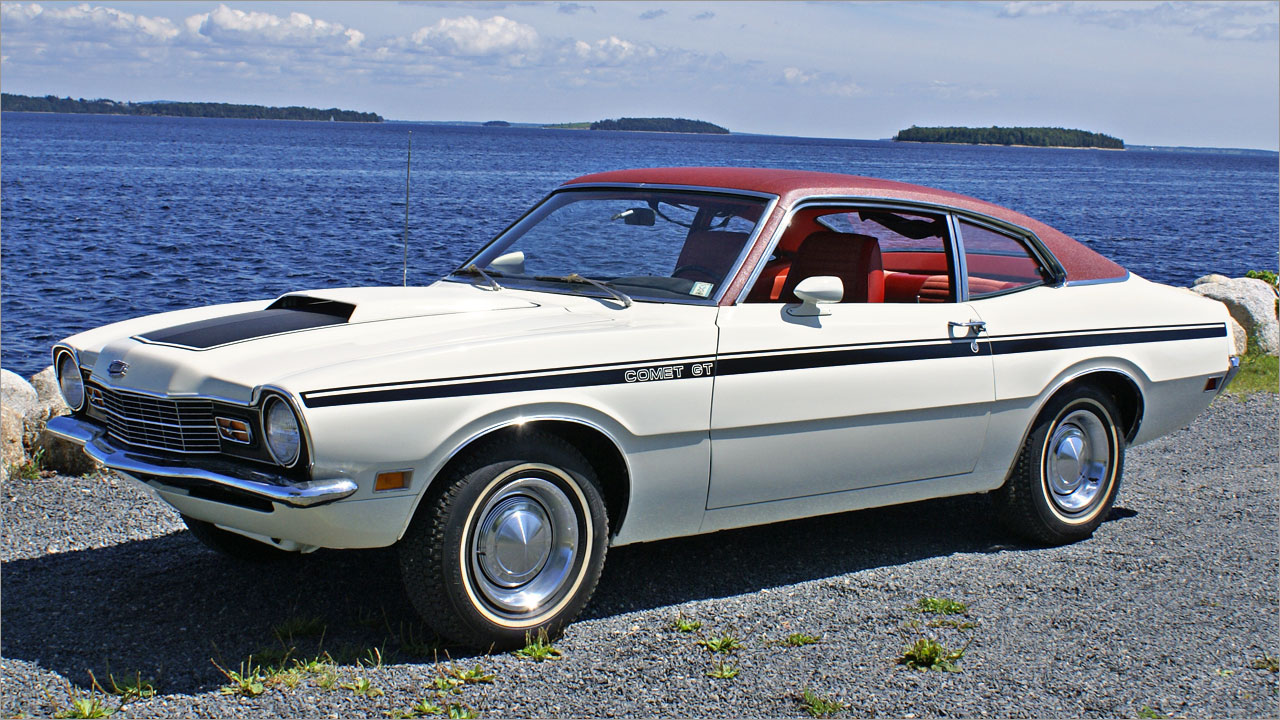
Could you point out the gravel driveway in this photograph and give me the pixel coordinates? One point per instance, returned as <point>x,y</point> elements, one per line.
<point>1163,612</point>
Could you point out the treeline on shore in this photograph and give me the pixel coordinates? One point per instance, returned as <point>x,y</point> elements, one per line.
<point>679,125</point>
<point>1034,136</point>
<point>55,104</point>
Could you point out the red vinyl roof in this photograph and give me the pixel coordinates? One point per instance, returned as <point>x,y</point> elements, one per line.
<point>792,186</point>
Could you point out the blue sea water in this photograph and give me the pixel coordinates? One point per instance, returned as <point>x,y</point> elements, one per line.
<point>103,218</point>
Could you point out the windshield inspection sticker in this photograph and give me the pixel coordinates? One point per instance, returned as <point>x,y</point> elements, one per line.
<point>701,289</point>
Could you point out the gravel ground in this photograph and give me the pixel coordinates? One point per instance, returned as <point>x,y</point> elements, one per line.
<point>1165,609</point>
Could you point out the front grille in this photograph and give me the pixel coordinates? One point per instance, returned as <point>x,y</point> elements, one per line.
<point>185,426</point>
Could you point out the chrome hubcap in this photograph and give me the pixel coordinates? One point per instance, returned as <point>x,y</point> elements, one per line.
<point>524,546</point>
<point>1077,461</point>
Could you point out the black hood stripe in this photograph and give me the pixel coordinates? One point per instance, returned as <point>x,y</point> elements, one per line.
<point>747,363</point>
<point>214,332</point>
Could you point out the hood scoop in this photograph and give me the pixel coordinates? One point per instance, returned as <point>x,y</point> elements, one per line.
<point>287,314</point>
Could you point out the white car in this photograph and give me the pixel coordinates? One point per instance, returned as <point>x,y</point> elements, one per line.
<point>648,354</point>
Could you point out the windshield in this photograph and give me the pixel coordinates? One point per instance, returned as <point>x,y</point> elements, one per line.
<point>646,244</point>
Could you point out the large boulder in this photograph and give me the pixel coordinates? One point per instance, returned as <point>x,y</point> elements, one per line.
<point>1252,303</point>
<point>1211,278</point>
<point>11,427</point>
<point>49,402</point>
<point>1239,336</point>
<point>17,394</point>
<point>61,456</point>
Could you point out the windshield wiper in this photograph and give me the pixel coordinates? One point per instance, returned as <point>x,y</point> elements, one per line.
<point>474,269</point>
<point>576,278</point>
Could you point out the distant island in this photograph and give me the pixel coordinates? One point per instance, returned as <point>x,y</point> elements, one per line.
<point>54,104</point>
<point>1029,136</point>
<point>497,123</point>
<point>672,125</point>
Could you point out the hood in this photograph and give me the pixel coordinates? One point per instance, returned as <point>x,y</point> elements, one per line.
<point>338,332</point>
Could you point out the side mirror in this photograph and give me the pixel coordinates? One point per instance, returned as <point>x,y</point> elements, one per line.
<point>815,291</point>
<point>511,263</point>
<point>637,216</point>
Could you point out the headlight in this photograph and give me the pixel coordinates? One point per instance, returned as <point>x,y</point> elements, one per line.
<point>280,426</point>
<point>70,383</point>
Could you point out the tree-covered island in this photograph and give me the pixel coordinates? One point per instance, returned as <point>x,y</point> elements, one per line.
<point>1029,136</point>
<point>671,125</point>
<point>54,104</point>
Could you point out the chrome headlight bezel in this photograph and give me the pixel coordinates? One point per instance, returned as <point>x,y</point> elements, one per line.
<point>271,401</point>
<point>70,375</point>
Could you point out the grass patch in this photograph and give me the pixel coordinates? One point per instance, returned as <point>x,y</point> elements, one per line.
<point>539,650</point>
<point>725,643</point>
<point>723,671</point>
<point>361,687</point>
<point>86,706</point>
<point>685,624</point>
<point>1259,373</point>
<point>420,709</point>
<point>801,639</point>
<point>929,654</point>
<point>248,681</point>
<point>467,676</point>
<point>818,706</point>
<point>127,689</point>
<point>940,606</point>
<point>1267,662</point>
<point>1147,712</point>
<point>32,469</point>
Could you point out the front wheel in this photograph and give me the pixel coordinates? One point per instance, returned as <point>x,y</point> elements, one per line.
<point>1068,472</point>
<point>510,544</point>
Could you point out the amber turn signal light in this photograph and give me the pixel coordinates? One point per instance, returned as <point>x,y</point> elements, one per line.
<point>397,480</point>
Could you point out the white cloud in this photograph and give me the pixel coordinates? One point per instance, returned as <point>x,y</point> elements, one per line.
<point>469,37</point>
<point>1257,21</point>
<point>229,26</point>
<point>85,22</point>
<point>796,76</point>
<point>613,51</point>
<point>822,82</point>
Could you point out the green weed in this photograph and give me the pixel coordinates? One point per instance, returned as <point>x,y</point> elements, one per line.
<point>248,681</point>
<point>1147,712</point>
<point>86,706</point>
<point>801,639</point>
<point>723,644</point>
<point>458,711</point>
<point>940,606</point>
<point>422,708</point>
<point>952,623</point>
<point>928,654</point>
<point>467,676</point>
<point>723,671</point>
<point>32,469</point>
<point>362,687</point>
<point>818,706</point>
<point>685,624</point>
<point>538,650</point>
<point>1266,662</point>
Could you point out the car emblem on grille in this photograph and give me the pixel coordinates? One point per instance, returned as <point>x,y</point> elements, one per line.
<point>118,368</point>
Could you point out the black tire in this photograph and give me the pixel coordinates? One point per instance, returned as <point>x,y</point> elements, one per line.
<point>480,586</point>
<point>234,545</point>
<point>1038,501</point>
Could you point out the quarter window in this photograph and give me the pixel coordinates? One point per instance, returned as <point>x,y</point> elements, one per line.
<point>997,263</point>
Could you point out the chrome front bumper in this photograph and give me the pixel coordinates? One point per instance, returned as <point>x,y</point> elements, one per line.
<point>165,472</point>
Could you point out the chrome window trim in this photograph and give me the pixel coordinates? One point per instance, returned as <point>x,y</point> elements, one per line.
<point>765,214</point>
<point>1039,254</point>
<point>1038,249</point>
<point>834,201</point>
<point>959,267</point>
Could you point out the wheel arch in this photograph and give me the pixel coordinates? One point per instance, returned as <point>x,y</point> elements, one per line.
<point>1120,383</point>
<point>597,444</point>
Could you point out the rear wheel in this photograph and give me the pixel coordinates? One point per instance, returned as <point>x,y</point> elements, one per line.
<point>235,545</point>
<point>1068,472</point>
<point>511,543</point>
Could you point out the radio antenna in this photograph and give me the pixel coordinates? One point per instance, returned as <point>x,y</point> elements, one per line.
<point>408,163</point>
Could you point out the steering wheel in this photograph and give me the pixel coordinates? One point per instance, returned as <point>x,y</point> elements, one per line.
<point>707,272</point>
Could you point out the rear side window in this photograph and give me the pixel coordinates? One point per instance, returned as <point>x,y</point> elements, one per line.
<point>997,262</point>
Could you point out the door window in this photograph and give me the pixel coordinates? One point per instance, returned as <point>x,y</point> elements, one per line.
<point>996,262</point>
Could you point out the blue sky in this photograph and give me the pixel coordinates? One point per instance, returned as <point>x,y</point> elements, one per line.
<point>1167,73</point>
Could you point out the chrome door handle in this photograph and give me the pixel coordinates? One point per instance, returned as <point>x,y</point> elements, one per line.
<point>976,326</point>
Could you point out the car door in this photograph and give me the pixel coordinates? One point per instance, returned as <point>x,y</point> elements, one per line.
<point>883,387</point>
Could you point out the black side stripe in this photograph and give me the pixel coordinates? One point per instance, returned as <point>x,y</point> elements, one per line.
<point>737,364</point>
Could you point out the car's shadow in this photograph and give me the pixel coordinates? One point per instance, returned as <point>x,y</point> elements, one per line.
<point>166,607</point>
